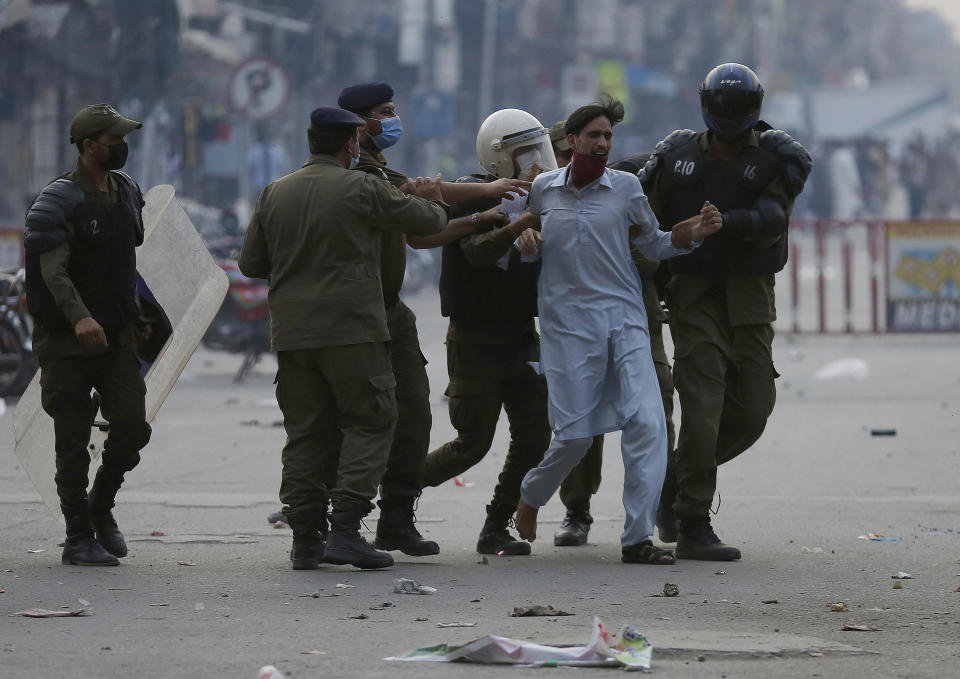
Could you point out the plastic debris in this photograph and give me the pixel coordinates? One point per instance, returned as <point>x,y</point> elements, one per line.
<point>838,607</point>
<point>536,611</point>
<point>407,586</point>
<point>897,584</point>
<point>504,651</point>
<point>902,576</point>
<point>45,613</point>
<point>808,550</point>
<point>670,589</point>
<point>883,432</point>
<point>855,368</point>
<point>340,585</point>
<point>36,551</point>
<point>460,481</point>
<point>815,654</point>
<point>313,652</point>
<point>269,672</point>
<point>634,650</point>
<point>859,628</point>
<point>719,572</point>
<point>770,601</point>
<point>456,624</point>
<point>186,563</point>
<point>879,537</point>
<point>360,616</point>
<point>157,534</point>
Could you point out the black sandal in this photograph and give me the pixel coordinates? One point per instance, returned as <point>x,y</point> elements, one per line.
<point>647,552</point>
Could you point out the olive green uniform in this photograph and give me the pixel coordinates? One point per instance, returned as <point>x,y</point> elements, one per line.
<point>487,363</point>
<point>411,438</point>
<point>316,235</point>
<point>723,360</point>
<point>69,371</point>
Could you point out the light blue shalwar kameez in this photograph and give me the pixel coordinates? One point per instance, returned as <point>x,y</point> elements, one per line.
<point>595,343</point>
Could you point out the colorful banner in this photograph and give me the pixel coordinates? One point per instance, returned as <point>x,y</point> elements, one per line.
<point>923,274</point>
<point>612,80</point>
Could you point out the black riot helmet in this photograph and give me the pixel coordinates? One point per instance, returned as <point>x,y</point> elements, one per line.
<point>730,99</point>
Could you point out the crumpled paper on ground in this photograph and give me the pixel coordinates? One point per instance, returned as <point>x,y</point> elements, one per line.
<point>491,649</point>
<point>46,613</point>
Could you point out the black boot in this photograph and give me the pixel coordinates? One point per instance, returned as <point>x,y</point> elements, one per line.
<point>496,539</point>
<point>396,529</point>
<point>80,548</point>
<point>574,529</point>
<point>697,541</point>
<point>345,545</point>
<point>668,523</point>
<point>308,542</point>
<point>102,498</point>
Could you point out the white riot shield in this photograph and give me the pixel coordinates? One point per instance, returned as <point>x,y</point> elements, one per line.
<point>177,268</point>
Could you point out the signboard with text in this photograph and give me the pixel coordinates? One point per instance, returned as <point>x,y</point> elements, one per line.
<point>923,294</point>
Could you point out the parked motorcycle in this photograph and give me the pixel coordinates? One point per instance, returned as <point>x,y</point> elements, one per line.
<point>242,326</point>
<point>17,360</point>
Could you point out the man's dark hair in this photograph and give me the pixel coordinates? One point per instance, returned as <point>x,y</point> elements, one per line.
<point>605,106</point>
<point>330,139</point>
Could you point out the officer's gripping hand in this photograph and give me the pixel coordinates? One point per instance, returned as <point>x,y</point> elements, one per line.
<point>527,220</point>
<point>502,188</point>
<point>529,242</point>
<point>491,219</point>
<point>90,333</point>
<point>427,188</point>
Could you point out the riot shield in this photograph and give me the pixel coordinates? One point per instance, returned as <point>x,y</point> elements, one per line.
<point>182,278</point>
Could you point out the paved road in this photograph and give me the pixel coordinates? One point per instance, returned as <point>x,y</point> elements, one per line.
<point>214,597</point>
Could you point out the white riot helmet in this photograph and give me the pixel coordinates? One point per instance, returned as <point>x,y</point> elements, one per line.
<point>512,143</point>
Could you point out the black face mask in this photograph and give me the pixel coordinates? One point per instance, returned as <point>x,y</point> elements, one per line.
<point>117,157</point>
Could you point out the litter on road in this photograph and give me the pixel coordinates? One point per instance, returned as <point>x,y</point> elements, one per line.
<point>269,672</point>
<point>838,607</point>
<point>859,628</point>
<point>879,537</point>
<point>633,652</point>
<point>456,624</point>
<point>536,611</point>
<point>902,576</point>
<point>45,613</point>
<point>407,586</point>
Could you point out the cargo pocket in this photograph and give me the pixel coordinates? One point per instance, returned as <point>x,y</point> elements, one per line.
<point>383,401</point>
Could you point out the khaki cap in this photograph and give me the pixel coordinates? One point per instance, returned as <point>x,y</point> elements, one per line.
<point>558,135</point>
<point>100,119</point>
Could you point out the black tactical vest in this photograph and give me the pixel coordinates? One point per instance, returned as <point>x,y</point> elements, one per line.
<point>103,263</point>
<point>481,294</point>
<point>689,177</point>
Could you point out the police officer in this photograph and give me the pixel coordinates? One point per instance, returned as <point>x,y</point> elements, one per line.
<point>403,480</point>
<point>80,239</point>
<point>315,234</point>
<point>491,300</point>
<point>721,297</point>
<point>584,481</point>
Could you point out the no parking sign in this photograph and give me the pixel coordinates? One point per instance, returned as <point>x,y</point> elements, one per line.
<point>258,88</point>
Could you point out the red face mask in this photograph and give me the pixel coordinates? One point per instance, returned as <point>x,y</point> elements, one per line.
<point>587,167</point>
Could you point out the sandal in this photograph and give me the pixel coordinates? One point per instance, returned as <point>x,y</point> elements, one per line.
<point>646,552</point>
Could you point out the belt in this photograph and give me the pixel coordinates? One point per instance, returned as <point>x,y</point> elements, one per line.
<point>390,301</point>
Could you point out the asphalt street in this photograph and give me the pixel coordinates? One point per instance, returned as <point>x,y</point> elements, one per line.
<point>207,590</point>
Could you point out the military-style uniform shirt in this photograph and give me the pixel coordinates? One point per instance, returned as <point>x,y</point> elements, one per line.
<point>393,244</point>
<point>315,234</point>
<point>750,298</point>
<point>54,266</point>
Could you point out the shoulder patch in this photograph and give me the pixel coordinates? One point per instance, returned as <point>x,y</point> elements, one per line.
<point>672,141</point>
<point>797,160</point>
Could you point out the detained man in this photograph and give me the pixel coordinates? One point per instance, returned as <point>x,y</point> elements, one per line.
<point>595,347</point>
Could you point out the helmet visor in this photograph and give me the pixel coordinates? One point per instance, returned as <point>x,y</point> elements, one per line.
<point>531,160</point>
<point>730,103</point>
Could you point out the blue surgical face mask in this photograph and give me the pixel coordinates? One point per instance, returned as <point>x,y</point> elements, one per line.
<point>392,130</point>
<point>355,160</point>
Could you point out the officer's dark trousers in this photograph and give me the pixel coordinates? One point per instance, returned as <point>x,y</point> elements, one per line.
<point>584,481</point>
<point>411,439</point>
<point>66,383</point>
<point>724,376</point>
<point>484,378</point>
<point>339,412</point>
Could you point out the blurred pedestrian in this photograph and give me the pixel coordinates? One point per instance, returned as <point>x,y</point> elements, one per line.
<point>315,234</point>
<point>81,279</point>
